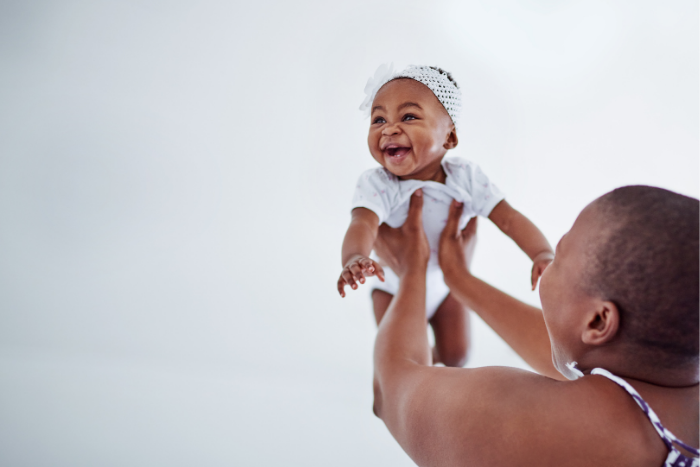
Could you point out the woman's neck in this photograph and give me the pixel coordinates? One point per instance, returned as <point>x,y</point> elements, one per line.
<point>639,368</point>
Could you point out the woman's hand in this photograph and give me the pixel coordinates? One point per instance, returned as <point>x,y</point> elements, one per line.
<point>405,249</point>
<point>456,247</point>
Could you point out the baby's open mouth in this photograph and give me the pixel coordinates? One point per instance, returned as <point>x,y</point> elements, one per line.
<point>397,151</point>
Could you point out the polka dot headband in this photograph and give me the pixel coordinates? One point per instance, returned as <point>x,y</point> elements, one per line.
<point>445,90</point>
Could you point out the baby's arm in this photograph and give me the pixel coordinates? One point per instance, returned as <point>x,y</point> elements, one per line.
<point>358,243</point>
<point>526,235</point>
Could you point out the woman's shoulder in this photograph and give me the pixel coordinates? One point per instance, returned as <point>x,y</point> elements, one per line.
<point>593,419</point>
<point>501,416</point>
<point>603,414</point>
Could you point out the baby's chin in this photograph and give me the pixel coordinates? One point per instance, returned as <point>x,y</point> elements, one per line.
<point>398,171</point>
<point>400,167</point>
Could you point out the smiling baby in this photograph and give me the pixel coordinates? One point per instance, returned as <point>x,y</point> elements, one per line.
<point>413,125</point>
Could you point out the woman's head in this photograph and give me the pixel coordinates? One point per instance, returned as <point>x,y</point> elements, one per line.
<point>623,287</point>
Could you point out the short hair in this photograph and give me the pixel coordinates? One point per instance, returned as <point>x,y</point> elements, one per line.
<point>647,264</point>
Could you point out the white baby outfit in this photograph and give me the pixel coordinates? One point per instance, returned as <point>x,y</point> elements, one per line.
<point>383,193</point>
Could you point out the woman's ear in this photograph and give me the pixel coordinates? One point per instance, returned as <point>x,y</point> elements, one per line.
<point>452,140</point>
<point>602,325</point>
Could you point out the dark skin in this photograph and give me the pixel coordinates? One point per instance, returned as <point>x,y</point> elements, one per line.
<point>503,416</point>
<point>409,135</point>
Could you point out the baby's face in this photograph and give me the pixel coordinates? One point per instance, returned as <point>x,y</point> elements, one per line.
<point>410,130</point>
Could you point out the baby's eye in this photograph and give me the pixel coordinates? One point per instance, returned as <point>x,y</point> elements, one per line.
<point>379,120</point>
<point>409,117</point>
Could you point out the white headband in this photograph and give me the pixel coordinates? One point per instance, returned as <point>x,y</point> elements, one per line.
<point>445,90</point>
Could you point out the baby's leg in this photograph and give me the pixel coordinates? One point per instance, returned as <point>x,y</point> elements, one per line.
<point>450,325</point>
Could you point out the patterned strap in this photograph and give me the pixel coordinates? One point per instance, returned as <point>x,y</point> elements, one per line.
<point>675,458</point>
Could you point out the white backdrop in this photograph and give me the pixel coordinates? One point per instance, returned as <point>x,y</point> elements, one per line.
<point>174,187</point>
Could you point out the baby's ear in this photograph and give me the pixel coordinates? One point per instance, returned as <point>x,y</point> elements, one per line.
<point>602,325</point>
<point>451,141</point>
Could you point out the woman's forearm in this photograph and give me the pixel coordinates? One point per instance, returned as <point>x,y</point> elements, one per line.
<point>401,347</point>
<point>520,325</point>
<point>402,336</point>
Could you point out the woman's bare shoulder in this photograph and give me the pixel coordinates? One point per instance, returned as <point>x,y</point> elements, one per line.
<point>499,415</point>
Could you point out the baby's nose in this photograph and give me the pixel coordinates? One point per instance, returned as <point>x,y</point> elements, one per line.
<point>391,129</point>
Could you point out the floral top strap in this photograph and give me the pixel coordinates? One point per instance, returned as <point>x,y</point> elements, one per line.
<point>675,458</point>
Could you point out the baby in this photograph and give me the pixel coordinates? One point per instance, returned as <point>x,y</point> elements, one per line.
<point>413,125</point>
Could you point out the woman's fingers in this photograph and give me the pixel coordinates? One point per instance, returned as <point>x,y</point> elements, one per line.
<point>452,225</point>
<point>469,240</point>
<point>406,247</point>
<point>469,231</point>
<point>415,210</point>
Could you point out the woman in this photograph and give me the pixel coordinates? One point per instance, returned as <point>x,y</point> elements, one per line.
<point>620,298</point>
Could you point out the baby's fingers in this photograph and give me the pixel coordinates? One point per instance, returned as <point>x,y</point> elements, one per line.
<point>372,268</point>
<point>378,271</point>
<point>356,270</point>
<point>341,286</point>
<point>349,279</point>
<point>367,266</point>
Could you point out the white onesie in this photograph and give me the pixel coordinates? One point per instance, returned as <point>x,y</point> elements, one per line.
<point>383,193</point>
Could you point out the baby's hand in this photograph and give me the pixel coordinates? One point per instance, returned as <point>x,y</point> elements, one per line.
<point>355,271</point>
<point>539,265</point>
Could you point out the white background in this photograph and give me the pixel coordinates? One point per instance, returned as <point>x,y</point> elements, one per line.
<point>174,188</point>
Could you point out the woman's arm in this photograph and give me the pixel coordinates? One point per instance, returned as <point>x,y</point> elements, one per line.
<point>520,325</point>
<point>357,245</point>
<point>483,416</point>
<point>451,416</point>
<point>526,235</point>
<point>401,338</point>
